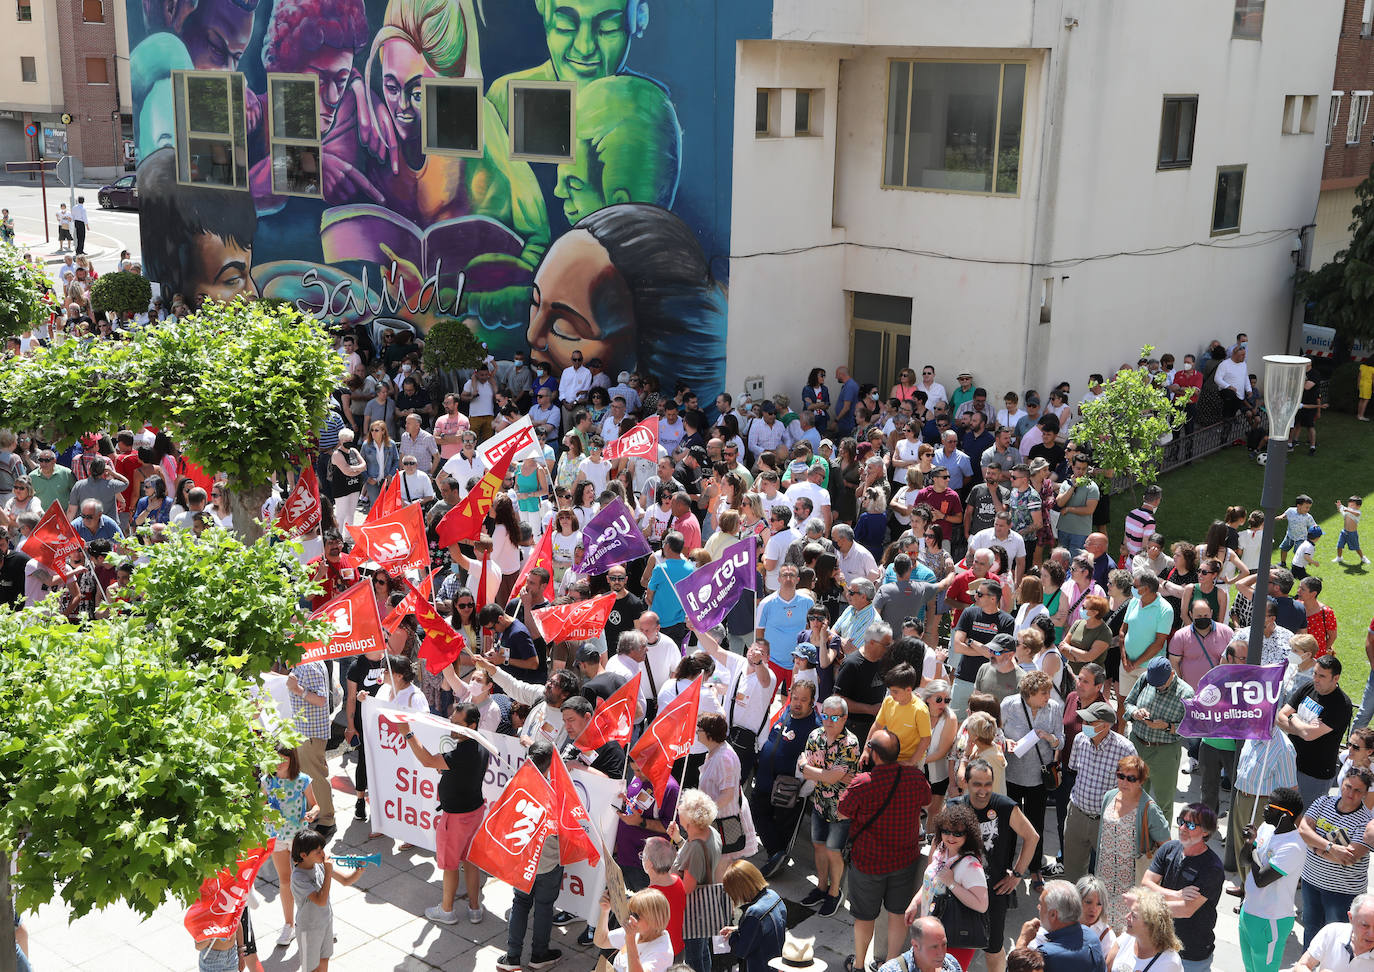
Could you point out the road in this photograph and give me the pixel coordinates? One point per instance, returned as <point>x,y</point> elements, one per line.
<point>110,230</point>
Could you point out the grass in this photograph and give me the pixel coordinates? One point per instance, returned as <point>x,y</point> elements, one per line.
<point>1196,495</point>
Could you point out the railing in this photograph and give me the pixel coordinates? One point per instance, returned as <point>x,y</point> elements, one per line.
<point>1195,445</point>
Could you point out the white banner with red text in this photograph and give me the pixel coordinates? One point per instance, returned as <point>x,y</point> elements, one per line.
<point>404,795</point>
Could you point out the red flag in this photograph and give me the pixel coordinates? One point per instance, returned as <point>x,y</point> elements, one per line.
<point>641,441</point>
<point>613,720</point>
<point>397,542</point>
<point>215,914</point>
<point>301,512</point>
<point>508,843</point>
<point>571,818</point>
<point>542,557</point>
<point>669,737</point>
<point>357,625</point>
<point>577,621</point>
<point>198,476</point>
<point>53,540</point>
<point>388,501</point>
<point>464,521</point>
<point>407,606</point>
<point>442,645</point>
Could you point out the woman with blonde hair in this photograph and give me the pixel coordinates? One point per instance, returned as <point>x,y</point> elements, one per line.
<point>982,732</point>
<point>643,944</point>
<point>1148,940</point>
<point>758,936</point>
<point>1030,598</point>
<point>696,861</point>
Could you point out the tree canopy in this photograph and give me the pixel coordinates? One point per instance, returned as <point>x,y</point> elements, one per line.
<point>25,296</point>
<point>1123,427</point>
<point>1342,291</point>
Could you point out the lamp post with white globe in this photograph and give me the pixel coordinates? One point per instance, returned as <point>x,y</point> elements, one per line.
<point>1283,380</point>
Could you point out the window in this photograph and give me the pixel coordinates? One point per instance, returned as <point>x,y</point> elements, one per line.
<point>1299,114</point>
<point>954,125</point>
<point>803,114</point>
<point>1359,114</point>
<point>26,11</point>
<point>294,125</point>
<point>1249,20</point>
<point>1176,129</point>
<point>97,70</point>
<point>28,70</point>
<point>93,11</point>
<point>212,140</point>
<point>1046,299</point>
<point>541,117</point>
<point>1367,19</point>
<point>767,112</point>
<point>452,116</point>
<point>1333,113</point>
<point>1307,125</point>
<point>1226,206</point>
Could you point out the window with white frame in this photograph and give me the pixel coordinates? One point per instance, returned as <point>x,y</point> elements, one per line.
<point>542,121</point>
<point>294,128</point>
<point>1332,114</point>
<point>954,126</point>
<point>452,116</point>
<point>1359,114</point>
<point>212,138</point>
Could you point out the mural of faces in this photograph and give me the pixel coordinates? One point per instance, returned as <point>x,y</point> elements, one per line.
<point>216,33</point>
<point>575,285</point>
<point>588,39</point>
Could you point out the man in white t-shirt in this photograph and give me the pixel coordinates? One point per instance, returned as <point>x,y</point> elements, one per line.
<point>1341,947</point>
<point>573,385</point>
<point>1000,534</point>
<point>416,486</point>
<point>779,521</point>
<point>811,488</point>
<point>935,392</point>
<point>1233,381</point>
<point>480,395</point>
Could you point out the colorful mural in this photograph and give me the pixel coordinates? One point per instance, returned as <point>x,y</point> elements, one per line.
<point>617,251</point>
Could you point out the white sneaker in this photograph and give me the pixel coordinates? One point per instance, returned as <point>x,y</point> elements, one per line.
<point>1336,560</point>
<point>1364,559</point>
<point>475,915</point>
<point>435,913</point>
<point>288,933</point>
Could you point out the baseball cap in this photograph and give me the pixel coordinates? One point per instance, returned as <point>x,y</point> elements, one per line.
<point>1314,533</point>
<point>588,653</point>
<point>808,651</point>
<point>1002,643</point>
<point>1158,671</point>
<point>1099,712</point>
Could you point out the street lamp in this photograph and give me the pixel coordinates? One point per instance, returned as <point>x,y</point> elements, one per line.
<point>1284,375</point>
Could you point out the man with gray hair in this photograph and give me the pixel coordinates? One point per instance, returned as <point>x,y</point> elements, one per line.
<point>812,535</point>
<point>1068,947</point>
<point>856,560</point>
<point>859,680</point>
<point>103,484</point>
<point>854,620</point>
<point>1340,946</point>
<point>929,950</point>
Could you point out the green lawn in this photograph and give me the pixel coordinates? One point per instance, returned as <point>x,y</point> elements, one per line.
<point>1196,495</point>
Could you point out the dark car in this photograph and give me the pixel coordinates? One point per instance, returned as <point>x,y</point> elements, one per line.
<point>120,194</point>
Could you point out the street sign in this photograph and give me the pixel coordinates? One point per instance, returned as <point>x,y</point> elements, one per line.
<point>31,130</point>
<point>42,165</point>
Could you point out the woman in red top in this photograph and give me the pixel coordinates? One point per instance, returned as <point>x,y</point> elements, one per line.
<point>906,385</point>
<point>1321,620</point>
<point>657,859</point>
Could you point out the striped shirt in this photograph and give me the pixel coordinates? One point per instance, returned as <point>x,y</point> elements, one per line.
<point>1140,523</point>
<point>1266,766</point>
<point>1096,766</point>
<point>1326,819</point>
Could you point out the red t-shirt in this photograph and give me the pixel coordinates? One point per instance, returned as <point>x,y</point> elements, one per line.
<point>945,502</point>
<point>339,577</point>
<point>1191,379</point>
<point>127,464</point>
<point>677,908</point>
<point>959,591</point>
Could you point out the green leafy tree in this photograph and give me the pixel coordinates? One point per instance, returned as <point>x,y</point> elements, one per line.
<point>451,346</point>
<point>25,293</point>
<point>1342,291</point>
<point>122,292</point>
<point>243,386</point>
<point>1124,425</point>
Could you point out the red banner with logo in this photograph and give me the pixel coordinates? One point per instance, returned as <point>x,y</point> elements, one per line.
<point>215,914</point>
<point>442,645</point>
<point>508,843</point>
<point>53,540</point>
<point>542,557</point>
<point>300,513</point>
<point>571,818</point>
<point>407,606</point>
<point>396,543</point>
<point>357,625</point>
<point>464,521</point>
<point>669,737</point>
<point>577,621</point>
<point>640,442</point>
<point>388,500</point>
<point>614,719</point>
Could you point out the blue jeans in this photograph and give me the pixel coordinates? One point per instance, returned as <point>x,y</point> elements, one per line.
<point>1366,706</point>
<point>1073,542</point>
<point>1196,965</point>
<point>1321,908</point>
<point>1310,787</point>
<point>696,952</point>
<point>541,899</point>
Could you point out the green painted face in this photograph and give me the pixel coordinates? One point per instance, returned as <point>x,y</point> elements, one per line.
<point>588,39</point>
<point>579,186</point>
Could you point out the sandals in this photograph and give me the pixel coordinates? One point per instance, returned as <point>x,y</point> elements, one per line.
<point>849,963</point>
<point>1037,883</point>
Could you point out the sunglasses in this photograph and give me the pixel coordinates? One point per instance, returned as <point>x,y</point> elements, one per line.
<point>954,833</point>
<point>1275,806</point>
<point>1353,746</point>
<point>467,604</point>
<point>941,698</point>
<point>1128,777</point>
<point>831,718</point>
<point>1189,824</point>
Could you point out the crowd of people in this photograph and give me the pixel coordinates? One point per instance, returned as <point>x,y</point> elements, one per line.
<point>942,658</point>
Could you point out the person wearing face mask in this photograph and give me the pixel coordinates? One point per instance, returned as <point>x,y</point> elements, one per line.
<point>1154,710</point>
<point>1302,663</point>
<point>1196,648</point>
<point>1274,854</point>
<point>1189,875</point>
<point>1096,753</point>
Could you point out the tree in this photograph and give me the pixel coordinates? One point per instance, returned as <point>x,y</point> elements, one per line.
<point>243,387</point>
<point>1342,291</point>
<point>1123,427</point>
<point>26,297</point>
<point>122,292</point>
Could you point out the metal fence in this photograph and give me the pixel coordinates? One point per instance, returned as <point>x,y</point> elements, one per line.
<point>1199,443</point>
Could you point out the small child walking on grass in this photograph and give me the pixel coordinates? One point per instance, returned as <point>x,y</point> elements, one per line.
<point>1350,529</point>
<point>310,881</point>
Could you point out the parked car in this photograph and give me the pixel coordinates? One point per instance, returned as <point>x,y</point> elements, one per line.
<point>120,194</point>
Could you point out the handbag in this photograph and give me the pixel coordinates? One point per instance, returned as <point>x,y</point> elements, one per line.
<point>786,791</point>
<point>742,739</point>
<point>707,911</point>
<point>847,851</point>
<point>964,927</point>
<point>731,830</point>
<point>1050,774</point>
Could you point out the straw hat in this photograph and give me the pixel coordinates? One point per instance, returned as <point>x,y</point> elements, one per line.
<point>798,955</point>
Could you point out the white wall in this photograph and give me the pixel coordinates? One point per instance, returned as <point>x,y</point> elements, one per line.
<point>37,39</point>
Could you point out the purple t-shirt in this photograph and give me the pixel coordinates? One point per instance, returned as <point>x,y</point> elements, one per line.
<point>639,797</point>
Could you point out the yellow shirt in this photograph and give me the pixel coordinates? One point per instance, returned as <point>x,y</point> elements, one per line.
<point>910,723</point>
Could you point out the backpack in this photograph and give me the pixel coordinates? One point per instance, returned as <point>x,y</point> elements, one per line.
<point>8,460</point>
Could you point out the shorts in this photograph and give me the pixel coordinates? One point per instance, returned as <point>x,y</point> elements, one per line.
<point>315,941</point>
<point>1306,418</point>
<point>940,788</point>
<point>65,234</point>
<point>1288,543</point>
<point>869,894</point>
<point>998,905</point>
<point>830,833</point>
<point>1366,381</point>
<point>1348,538</point>
<point>453,837</point>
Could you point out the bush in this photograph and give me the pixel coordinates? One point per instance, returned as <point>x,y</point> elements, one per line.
<point>25,293</point>
<point>123,293</point>
<point>1341,392</point>
<point>450,346</point>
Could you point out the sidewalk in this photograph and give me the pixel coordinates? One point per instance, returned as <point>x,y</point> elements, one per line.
<point>46,253</point>
<point>379,922</point>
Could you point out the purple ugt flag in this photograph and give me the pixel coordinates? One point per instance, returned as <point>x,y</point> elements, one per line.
<point>708,593</point>
<point>1235,702</point>
<point>611,537</point>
